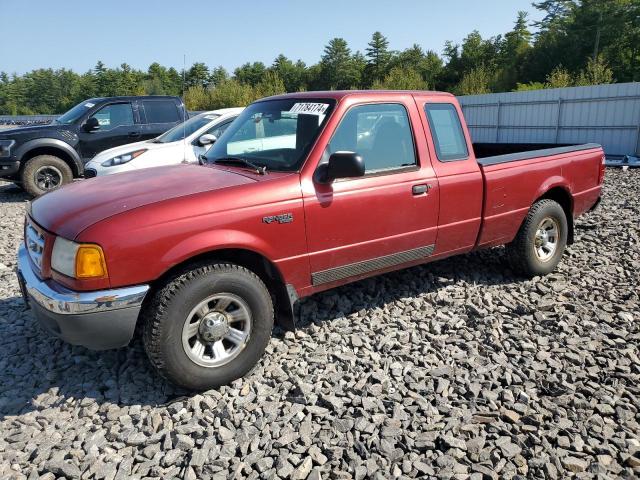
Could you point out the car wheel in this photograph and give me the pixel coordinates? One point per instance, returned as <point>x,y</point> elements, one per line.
<point>44,173</point>
<point>541,240</point>
<point>208,326</point>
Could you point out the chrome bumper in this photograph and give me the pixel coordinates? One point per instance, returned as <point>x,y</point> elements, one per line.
<point>98,320</point>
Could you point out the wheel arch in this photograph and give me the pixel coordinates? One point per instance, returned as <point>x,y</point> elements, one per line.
<point>284,295</point>
<point>51,146</point>
<point>562,196</point>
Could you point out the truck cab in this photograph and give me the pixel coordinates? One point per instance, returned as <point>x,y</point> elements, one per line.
<point>45,157</point>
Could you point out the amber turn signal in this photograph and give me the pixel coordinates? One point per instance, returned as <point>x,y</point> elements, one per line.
<point>90,262</point>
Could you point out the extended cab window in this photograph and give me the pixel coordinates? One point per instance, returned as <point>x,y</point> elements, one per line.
<point>380,133</point>
<point>114,115</point>
<point>161,111</point>
<point>447,133</point>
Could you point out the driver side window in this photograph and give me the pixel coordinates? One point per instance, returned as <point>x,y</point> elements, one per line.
<point>380,133</point>
<point>114,115</point>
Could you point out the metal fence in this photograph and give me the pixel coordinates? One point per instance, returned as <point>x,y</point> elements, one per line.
<point>26,119</point>
<point>40,119</point>
<point>604,114</point>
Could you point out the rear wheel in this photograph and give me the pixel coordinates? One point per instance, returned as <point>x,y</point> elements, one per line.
<point>541,240</point>
<point>208,326</point>
<point>44,173</point>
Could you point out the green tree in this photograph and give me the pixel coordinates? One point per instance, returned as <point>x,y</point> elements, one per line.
<point>292,74</point>
<point>232,93</point>
<point>513,54</point>
<point>218,75</point>
<point>559,78</point>
<point>401,78</point>
<point>250,73</point>
<point>338,70</point>
<point>428,64</point>
<point>197,98</point>
<point>597,72</point>
<point>198,74</point>
<point>271,84</point>
<point>477,81</point>
<point>378,57</point>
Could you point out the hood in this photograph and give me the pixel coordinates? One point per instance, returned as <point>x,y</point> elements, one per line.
<point>126,148</point>
<point>14,132</point>
<point>71,209</point>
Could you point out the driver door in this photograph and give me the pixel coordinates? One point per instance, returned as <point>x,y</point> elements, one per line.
<point>360,226</point>
<point>117,127</point>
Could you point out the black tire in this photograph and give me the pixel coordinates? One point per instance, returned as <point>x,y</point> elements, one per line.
<point>40,165</point>
<point>522,251</point>
<point>166,315</point>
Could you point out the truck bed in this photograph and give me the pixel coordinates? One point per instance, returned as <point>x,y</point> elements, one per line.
<point>515,175</point>
<point>495,153</point>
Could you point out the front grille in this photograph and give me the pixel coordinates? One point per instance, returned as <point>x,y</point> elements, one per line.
<point>34,240</point>
<point>90,173</point>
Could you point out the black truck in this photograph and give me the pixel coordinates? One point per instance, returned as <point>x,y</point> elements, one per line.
<point>44,157</point>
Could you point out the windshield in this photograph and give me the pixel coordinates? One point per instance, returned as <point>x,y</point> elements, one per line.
<point>75,113</point>
<point>179,132</point>
<point>276,134</point>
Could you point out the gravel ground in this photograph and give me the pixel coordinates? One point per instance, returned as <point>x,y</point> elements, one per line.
<point>452,370</point>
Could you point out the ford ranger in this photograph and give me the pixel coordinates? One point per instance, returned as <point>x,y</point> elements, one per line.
<point>206,258</point>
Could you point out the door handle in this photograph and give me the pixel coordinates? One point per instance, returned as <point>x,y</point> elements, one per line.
<point>134,134</point>
<point>420,189</point>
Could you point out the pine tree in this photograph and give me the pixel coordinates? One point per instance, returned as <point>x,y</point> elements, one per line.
<point>378,57</point>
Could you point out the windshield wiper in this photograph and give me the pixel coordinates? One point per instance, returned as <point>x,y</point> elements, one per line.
<point>262,170</point>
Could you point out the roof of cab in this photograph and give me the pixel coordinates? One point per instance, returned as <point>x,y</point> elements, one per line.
<point>339,94</point>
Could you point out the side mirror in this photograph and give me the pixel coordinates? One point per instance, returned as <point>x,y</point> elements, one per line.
<point>340,165</point>
<point>91,125</point>
<point>207,139</point>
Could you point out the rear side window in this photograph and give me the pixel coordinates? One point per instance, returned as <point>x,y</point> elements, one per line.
<point>161,111</point>
<point>446,130</point>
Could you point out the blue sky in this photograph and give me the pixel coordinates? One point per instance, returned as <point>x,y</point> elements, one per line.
<point>76,34</point>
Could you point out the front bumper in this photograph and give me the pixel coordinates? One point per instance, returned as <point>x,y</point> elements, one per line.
<point>96,320</point>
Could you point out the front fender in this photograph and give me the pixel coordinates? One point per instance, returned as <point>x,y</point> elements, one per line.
<point>27,147</point>
<point>206,242</point>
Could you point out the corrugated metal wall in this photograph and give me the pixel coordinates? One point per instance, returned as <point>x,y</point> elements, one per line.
<point>604,114</point>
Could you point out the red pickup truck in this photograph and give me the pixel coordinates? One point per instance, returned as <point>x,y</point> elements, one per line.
<point>302,193</point>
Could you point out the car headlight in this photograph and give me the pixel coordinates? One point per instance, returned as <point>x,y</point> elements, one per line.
<point>5,147</point>
<point>78,260</point>
<point>124,158</point>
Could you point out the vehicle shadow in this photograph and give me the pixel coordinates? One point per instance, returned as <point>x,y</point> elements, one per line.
<point>485,267</point>
<point>39,372</point>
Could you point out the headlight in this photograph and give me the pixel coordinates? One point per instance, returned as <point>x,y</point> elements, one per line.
<point>5,147</point>
<point>78,260</point>
<point>124,158</point>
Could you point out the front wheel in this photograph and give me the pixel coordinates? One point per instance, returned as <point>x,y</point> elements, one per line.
<point>44,173</point>
<point>208,326</point>
<point>541,240</point>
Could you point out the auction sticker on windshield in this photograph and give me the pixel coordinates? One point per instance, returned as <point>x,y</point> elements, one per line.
<point>310,108</point>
